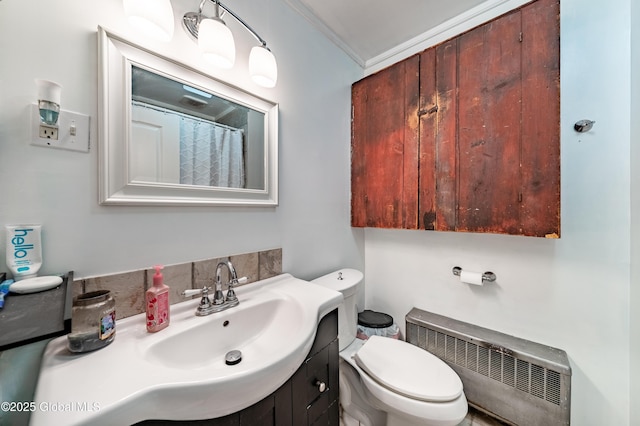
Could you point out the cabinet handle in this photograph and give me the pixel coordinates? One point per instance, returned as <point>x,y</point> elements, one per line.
<point>322,386</point>
<point>425,111</point>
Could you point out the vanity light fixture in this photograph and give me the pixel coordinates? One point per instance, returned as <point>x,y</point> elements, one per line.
<point>153,17</point>
<point>214,38</point>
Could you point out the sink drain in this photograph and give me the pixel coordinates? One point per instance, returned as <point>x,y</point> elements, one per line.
<point>233,357</point>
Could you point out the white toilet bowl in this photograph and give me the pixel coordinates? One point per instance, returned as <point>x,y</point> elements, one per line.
<point>416,388</point>
<point>387,382</point>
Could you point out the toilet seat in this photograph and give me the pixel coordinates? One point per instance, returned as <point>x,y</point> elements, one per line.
<point>408,370</point>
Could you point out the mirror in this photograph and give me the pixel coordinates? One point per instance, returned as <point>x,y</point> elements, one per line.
<point>170,134</point>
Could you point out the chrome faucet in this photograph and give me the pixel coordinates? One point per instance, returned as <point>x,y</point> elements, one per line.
<point>220,301</point>
<point>218,297</point>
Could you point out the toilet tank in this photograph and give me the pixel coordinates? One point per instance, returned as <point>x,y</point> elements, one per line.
<point>347,282</point>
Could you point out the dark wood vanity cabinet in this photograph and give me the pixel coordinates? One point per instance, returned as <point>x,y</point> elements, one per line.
<point>309,397</point>
<point>465,136</point>
<point>315,389</point>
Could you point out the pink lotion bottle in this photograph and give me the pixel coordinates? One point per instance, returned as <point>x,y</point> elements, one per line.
<point>157,298</point>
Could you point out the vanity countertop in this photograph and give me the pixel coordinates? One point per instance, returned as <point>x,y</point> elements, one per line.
<point>141,375</point>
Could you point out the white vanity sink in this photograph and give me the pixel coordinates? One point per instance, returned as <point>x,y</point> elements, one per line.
<point>260,329</point>
<point>180,372</point>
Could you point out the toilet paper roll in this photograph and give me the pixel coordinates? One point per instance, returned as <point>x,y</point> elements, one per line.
<point>474,278</point>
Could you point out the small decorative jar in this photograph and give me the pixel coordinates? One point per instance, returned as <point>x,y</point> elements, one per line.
<point>93,321</point>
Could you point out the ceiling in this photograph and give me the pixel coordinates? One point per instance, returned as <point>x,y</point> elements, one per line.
<point>367,29</point>
<point>156,90</point>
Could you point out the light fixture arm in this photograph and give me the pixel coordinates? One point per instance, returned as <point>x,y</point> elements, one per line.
<point>262,63</point>
<point>218,5</point>
<point>244,24</point>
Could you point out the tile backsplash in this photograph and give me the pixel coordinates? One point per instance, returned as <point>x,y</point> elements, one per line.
<point>128,288</point>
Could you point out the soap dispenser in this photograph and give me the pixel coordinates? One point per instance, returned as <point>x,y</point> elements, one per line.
<point>157,298</point>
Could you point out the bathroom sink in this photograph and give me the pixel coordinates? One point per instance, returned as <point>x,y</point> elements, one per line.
<point>180,373</point>
<point>261,327</point>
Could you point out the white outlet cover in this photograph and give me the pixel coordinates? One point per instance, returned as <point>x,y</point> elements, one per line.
<point>67,120</point>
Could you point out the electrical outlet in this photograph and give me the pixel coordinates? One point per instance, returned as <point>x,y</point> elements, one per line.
<point>48,132</point>
<point>71,132</point>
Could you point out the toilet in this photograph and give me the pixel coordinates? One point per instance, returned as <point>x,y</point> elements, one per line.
<point>388,382</point>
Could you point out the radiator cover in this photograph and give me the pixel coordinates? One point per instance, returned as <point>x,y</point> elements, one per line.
<point>517,381</point>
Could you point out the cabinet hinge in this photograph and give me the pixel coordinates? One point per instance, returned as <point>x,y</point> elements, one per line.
<point>520,197</point>
<point>425,111</point>
<point>520,38</point>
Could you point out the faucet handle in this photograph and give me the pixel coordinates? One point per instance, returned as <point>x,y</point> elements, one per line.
<point>204,292</point>
<point>205,303</point>
<point>241,280</point>
<point>231,295</point>
<point>193,292</point>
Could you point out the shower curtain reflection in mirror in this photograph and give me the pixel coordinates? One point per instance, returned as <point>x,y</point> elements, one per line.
<point>211,154</point>
<point>171,147</point>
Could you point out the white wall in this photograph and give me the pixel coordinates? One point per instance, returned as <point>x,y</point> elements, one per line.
<point>571,293</point>
<point>635,214</point>
<point>59,188</point>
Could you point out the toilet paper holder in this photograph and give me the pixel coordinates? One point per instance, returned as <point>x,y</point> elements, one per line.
<point>487,276</point>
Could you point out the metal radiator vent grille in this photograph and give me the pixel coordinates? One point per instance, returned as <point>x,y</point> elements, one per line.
<point>517,381</point>
<point>522,375</point>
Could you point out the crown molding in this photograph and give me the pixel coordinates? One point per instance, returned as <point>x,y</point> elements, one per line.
<point>463,22</point>
<point>448,29</point>
<point>306,13</point>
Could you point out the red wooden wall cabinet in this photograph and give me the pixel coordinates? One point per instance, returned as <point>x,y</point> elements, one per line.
<point>465,136</point>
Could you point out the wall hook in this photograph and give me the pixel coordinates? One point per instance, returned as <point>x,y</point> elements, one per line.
<point>583,126</point>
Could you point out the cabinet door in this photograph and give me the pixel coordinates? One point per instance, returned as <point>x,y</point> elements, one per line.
<point>478,149</point>
<point>315,389</point>
<point>274,410</point>
<point>439,137</point>
<point>384,168</point>
<point>488,120</point>
<point>540,205</point>
<point>489,127</point>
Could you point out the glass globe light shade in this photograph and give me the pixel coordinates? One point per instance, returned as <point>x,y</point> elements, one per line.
<point>263,67</point>
<point>216,43</point>
<point>152,17</point>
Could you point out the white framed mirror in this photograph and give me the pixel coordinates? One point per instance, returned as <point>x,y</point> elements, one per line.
<point>172,135</point>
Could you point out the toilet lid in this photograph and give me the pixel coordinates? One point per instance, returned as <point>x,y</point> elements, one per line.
<point>408,370</point>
